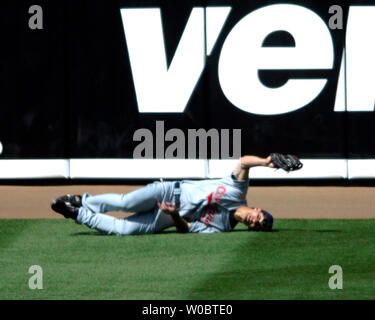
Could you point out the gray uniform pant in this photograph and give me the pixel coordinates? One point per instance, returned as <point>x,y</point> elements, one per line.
<point>147,219</point>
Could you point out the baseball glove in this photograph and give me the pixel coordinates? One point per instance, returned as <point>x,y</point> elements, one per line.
<point>286,162</point>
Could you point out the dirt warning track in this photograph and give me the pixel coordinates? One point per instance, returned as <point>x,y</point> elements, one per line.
<point>283,202</point>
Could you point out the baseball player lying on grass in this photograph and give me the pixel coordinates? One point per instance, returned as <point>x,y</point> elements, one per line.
<point>206,206</point>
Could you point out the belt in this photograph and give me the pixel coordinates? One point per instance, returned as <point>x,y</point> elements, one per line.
<point>177,194</point>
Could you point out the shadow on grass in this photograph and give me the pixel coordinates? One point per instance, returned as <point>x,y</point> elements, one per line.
<point>287,230</point>
<point>89,233</point>
<point>98,233</point>
<point>304,230</point>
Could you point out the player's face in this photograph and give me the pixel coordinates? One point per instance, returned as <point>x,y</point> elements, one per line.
<point>253,217</point>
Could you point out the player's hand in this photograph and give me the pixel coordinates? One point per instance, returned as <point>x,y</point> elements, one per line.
<point>168,208</point>
<point>269,163</point>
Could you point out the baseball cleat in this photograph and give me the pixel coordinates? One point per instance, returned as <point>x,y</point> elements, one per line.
<point>65,208</point>
<point>75,200</point>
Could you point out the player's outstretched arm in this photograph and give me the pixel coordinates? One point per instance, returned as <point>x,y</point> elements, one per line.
<point>181,224</point>
<point>246,162</point>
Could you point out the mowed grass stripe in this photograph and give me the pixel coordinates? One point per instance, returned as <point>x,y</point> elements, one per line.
<point>79,263</point>
<point>293,263</point>
<point>290,263</point>
<point>9,231</point>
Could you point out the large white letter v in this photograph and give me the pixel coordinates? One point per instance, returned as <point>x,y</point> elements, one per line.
<point>160,88</point>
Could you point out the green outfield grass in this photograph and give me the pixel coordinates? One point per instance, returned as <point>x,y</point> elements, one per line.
<point>290,263</point>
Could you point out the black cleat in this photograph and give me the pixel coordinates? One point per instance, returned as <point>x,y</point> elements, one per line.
<point>75,200</point>
<point>65,208</point>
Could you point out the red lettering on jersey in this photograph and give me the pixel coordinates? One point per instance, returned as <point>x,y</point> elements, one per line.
<point>209,212</point>
<point>209,198</point>
<point>220,193</point>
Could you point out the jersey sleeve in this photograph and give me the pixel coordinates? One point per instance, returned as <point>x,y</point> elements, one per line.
<point>200,227</point>
<point>236,190</point>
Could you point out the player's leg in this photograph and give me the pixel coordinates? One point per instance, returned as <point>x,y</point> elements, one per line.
<point>135,224</point>
<point>241,172</point>
<point>140,200</point>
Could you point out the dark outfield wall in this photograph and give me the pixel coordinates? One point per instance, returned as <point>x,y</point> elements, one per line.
<point>67,90</point>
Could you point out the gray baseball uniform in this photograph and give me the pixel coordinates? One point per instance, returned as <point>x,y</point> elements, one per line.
<point>206,204</point>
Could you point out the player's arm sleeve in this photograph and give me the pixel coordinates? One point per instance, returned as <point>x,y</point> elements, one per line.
<point>200,227</point>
